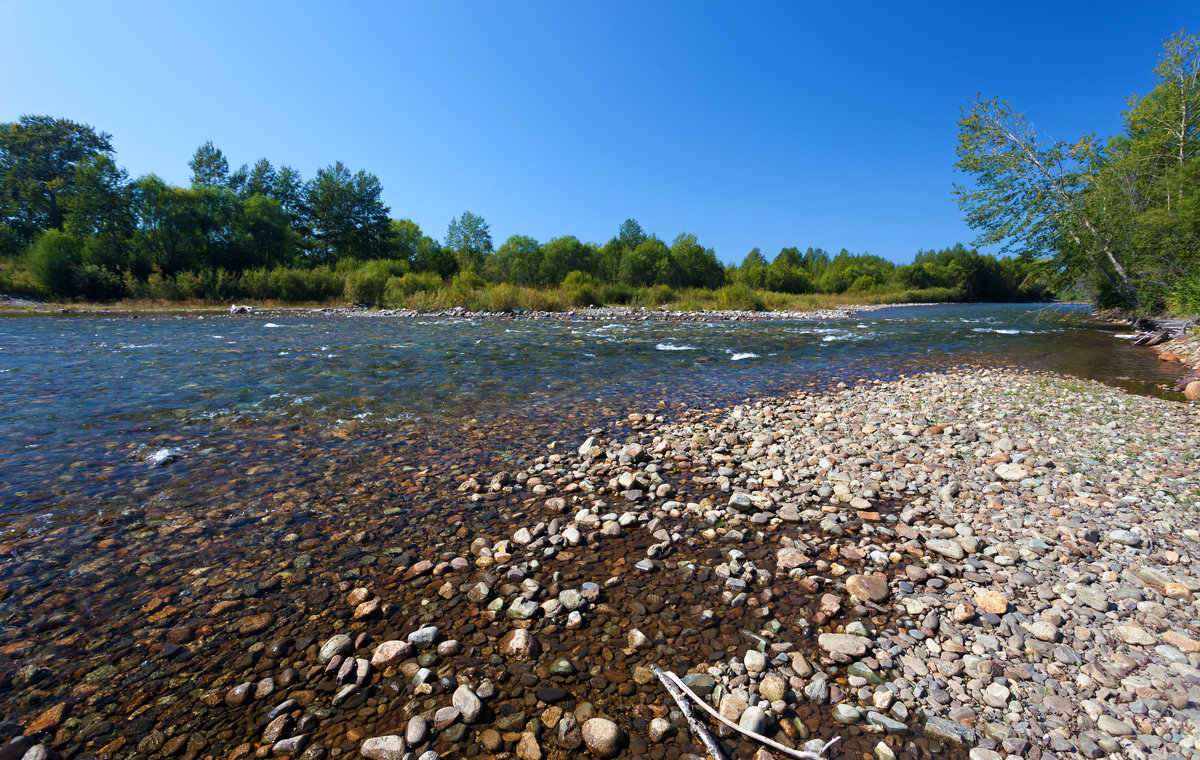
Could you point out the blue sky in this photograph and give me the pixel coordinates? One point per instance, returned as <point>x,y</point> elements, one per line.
<point>758,124</point>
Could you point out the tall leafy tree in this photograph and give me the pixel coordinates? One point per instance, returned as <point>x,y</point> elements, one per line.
<point>471,240</point>
<point>100,206</point>
<point>38,159</point>
<point>520,259</point>
<point>631,234</point>
<point>209,167</point>
<point>562,256</point>
<point>348,216</point>
<point>260,180</point>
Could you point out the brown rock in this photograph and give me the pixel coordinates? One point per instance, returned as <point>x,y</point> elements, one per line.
<point>991,602</point>
<point>528,749</point>
<point>872,588</point>
<point>252,624</point>
<point>1181,642</point>
<point>420,568</point>
<point>47,720</point>
<point>367,609</point>
<point>1178,591</point>
<point>180,634</point>
<point>1191,391</point>
<point>519,644</point>
<point>390,653</point>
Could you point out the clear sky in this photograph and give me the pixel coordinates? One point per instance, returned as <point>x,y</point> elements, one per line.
<point>747,124</point>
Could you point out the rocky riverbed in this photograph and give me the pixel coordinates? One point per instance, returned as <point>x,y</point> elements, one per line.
<point>983,562</point>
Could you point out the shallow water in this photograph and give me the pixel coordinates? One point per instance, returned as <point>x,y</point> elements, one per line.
<point>152,467</point>
<point>85,402</point>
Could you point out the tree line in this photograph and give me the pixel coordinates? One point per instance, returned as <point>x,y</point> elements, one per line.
<point>1116,220</point>
<point>73,224</point>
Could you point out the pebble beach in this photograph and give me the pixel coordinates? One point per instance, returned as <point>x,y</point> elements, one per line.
<point>975,562</point>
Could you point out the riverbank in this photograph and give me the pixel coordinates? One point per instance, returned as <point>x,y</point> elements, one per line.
<point>592,313</point>
<point>973,558</point>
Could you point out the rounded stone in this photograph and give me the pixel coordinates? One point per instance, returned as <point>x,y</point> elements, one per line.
<point>603,737</point>
<point>871,588</point>
<point>773,688</point>
<point>1192,391</point>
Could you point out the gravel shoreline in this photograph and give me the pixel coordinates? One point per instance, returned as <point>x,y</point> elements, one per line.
<point>984,562</point>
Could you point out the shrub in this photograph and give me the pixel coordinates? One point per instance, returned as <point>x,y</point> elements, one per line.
<point>52,260</point>
<point>580,289</point>
<point>398,289</point>
<point>616,293</point>
<point>366,283</point>
<point>740,297</point>
<point>95,283</point>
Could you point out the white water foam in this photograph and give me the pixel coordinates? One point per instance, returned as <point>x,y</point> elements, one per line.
<point>674,347</point>
<point>272,324</point>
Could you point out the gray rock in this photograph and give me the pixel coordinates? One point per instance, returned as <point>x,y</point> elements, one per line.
<point>846,713</point>
<point>889,725</point>
<point>1126,537</point>
<point>423,638</point>
<point>755,719</point>
<point>416,731</point>
<point>383,748</point>
<point>948,731</point>
<point>337,644</point>
<point>467,703</point>
<point>946,548</point>
<point>1113,727</point>
<point>843,643</point>
<point>603,737</point>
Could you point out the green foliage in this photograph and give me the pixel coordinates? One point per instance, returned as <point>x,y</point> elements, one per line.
<point>470,238</point>
<point>39,156</point>
<point>1121,219</point>
<point>209,167</point>
<point>347,215</point>
<point>366,283</point>
<point>740,297</point>
<point>399,289</point>
<point>580,288</point>
<point>52,260</point>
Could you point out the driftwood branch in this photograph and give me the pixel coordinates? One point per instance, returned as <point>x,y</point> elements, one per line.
<point>714,750</point>
<point>682,688</point>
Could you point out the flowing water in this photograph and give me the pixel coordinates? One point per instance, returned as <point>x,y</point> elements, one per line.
<point>165,462</point>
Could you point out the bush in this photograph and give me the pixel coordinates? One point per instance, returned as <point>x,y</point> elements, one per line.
<point>661,294</point>
<point>52,260</point>
<point>503,297</point>
<point>616,294</point>
<point>863,284</point>
<point>398,289</point>
<point>95,283</point>
<point>464,284</point>
<point>580,289</point>
<point>740,297</point>
<point>367,283</point>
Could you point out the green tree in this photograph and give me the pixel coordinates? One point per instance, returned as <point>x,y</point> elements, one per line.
<point>38,159</point>
<point>642,265</point>
<point>471,240</point>
<point>263,237</point>
<point>406,240</point>
<point>520,259</point>
<point>209,167</point>
<point>562,256</point>
<point>260,180</point>
<point>348,216</point>
<point>101,205</point>
<point>691,265</point>
<point>631,234</point>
